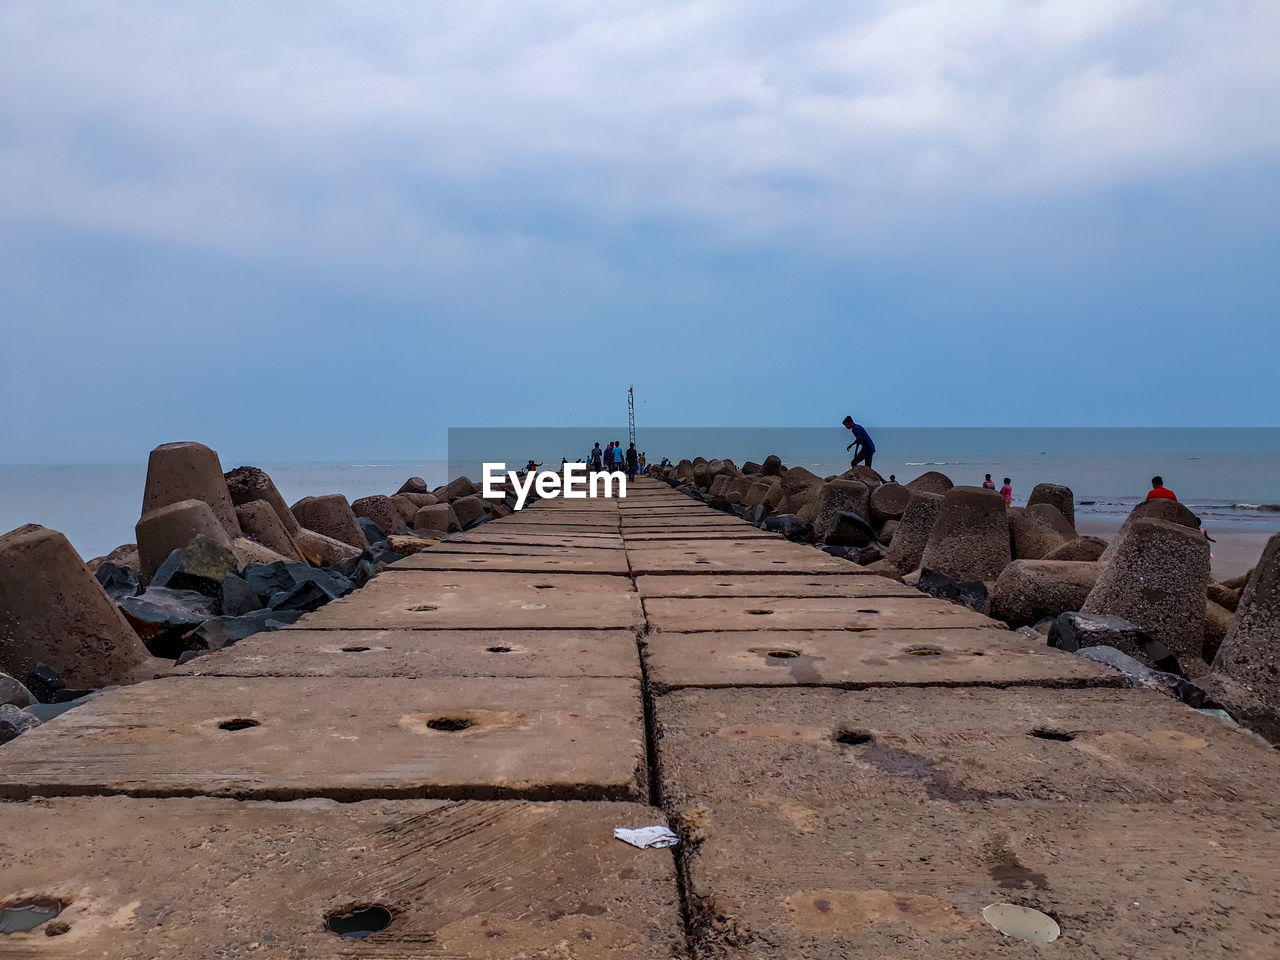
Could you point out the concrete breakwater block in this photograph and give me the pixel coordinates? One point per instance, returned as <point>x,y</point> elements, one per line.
<point>556,561</point>
<point>427,600</point>
<point>284,738</point>
<point>189,471</point>
<point>868,658</point>
<point>465,545</point>
<point>696,615</point>
<point>773,585</point>
<point>495,533</point>
<point>970,538</point>
<point>53,611</point>
<point>332,516</point>
<point>191,878</point>
<point>964,745</point>
<point>259,520</point>
<point>171,527</point>
<point>732,556</point>
<point>656,535</point>
<point>247,484</point>
<point>426,653</point>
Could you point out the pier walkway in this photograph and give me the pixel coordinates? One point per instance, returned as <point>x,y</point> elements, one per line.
<point>854,769</point>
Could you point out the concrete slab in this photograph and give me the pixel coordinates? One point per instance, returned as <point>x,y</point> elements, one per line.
<point>425,600</point>
<point>526,519</point>
<point>639,537</point>
<point>499,548</point>
<point>773,585</point>
<point>425,653</point>
<point>780,876</point>
<point>770,614</point>
<point>854,660</point>
<point>546,538</point>
<point>731,556</point>
<point>962,745</point>
<point>443,738</point>
<point>196,878</point>
<point>557,560</point>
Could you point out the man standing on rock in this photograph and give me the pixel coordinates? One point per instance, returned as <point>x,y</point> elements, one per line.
<point>862,440</point>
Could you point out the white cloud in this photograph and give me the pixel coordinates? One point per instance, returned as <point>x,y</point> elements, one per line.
<point>390,136</point>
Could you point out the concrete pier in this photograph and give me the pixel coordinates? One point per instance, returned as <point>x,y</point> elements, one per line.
<point>854,769</point>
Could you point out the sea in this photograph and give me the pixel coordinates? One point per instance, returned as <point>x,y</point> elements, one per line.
<point>1229,476</point>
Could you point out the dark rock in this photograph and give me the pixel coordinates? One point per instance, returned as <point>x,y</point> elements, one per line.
<point>414,485</point>
<point>1058,496</point>
<point>15,692</point>
<point>14,721</point>
<point>162,616</point>
<point>118,581</point>
<point>970,593</point>
<point>47,686</point>
<point>750,467</point>
<point>267,579</point>
<point>201,566</point>
<point>224,631</point>
<point>790,526</point>
<point>772,466</point>
<point>1072,631</point>
<point>372,532</point>
<point>850,530</point>
<point>236,597</point>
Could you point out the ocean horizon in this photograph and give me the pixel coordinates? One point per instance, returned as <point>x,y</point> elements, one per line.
<point>1229,476</point>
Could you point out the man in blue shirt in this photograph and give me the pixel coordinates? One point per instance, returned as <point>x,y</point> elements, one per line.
<point>862,440</point>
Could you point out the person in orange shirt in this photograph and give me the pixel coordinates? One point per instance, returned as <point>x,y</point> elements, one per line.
<point>1159,491</point>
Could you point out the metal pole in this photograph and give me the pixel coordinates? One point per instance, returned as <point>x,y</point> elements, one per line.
<point>631,415</point>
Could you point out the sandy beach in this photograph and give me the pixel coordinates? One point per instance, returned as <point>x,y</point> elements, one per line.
<point>1235,552</point>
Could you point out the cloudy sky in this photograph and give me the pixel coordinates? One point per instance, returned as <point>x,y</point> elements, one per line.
<point>332,230</point>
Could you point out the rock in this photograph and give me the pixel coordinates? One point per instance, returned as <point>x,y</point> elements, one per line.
<point>53,611</point>
<point>718,484</point>
<point>125,555</point>
<point>931,482</point>
<point>1081,548</point>
<point>1246,670</point>
<point>44,712</point>
<point>850,530</point>
<point>888,531</point>
<point>224,631</point>
<point>322,551</point>
<point>912,535</point>
<point>261,523</point>
<point>841,496</point>
<point>702,474</point>
<point>372,532</point>
<point>469,511</point>
<point>331,516</point>
<point>436,521</point>
<point>1028,590</point>
<point>117,581</point>
<point>1217,622</point>
<point>1074,631</point>
<point>970,539</point>
<point>406,546</point>
<point>684,471</point>
<point>236,597</point>
<point>799,489</point>
<point>1038,531</point>
<point>178,472</point>
<point>414,485</point>
<point>266,580</point>
<point>14,721</point>
<point>970,593</point>
<point>172,527</point>
<point>1157,579</point>
<point>250,551</point>
<point>1055,495</point>
<point>161,616</point>
<point>1224,596</point>
<point>884,568</point>
<point>889,502</point>
<point>382,512</point>
<point>201,565</point>
<point>772,466</point>
<point>1168,510</point>
<point>866,475</point>
<point>460,487</point>
<point>14,692</point>
<point>790,526</point>
<point>1240,582</point>
<point>247,484</point>
<point>750,468</point>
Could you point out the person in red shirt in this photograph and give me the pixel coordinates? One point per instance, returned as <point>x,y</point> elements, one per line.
<point>1159,491</point>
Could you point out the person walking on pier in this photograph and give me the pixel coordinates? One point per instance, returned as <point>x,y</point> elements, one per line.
<point>597,457</point>
<point>642,462</point>
<point>862,440</point>
<point>633,461</point>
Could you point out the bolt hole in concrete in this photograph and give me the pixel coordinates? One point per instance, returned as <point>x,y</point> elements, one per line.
<point>29,914</point>
<point>359,923</point>
<point>424,608</point>
<point>355,649</point>
<point>924,652</point>
<point>1043,734</point>
<point>1021,922</point>
<point>449,724</point>
<point>868,611</point>
<point>760,613</point>
<point>499,649</point>
<point>543,586</point>
<point>240,723</point>
<point>853,738</point>
<point>783,654</point>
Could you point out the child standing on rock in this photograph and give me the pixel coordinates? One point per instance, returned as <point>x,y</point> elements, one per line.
<point>1007,492</point>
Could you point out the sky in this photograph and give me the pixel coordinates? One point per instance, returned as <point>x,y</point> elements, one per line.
<point>329,231</point>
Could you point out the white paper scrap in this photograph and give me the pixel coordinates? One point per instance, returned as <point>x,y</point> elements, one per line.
<point>646,837</point>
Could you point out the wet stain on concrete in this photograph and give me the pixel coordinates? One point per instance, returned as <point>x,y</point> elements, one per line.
<point>1008,871</point>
